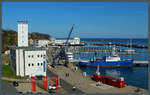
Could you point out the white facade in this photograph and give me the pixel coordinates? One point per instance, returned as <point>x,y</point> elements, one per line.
<point>19,62</point>
<point>34,63</point>
<point>30,62</point>
<point>43,42</point>
<point>76,40</point>
<point>22,34</point>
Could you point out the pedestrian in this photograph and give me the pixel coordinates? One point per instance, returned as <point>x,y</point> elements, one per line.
<point>66,74</point>
<point>75,68</point>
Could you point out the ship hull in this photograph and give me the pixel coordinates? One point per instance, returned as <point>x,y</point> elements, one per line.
<point>124,63</point>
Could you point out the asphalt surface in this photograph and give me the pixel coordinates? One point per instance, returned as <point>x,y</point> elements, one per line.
<point>8,88</point>
<point>66,86</point>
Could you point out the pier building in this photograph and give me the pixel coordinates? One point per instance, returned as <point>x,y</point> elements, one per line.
<point>22,34</point>
<point>75,40</point>
<point>43,42</point>
<point>28,61</point>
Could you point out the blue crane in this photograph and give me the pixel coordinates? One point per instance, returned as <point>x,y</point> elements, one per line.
<point>64,49</point>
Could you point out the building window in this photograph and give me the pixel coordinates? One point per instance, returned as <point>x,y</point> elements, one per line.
<point>29,65</point>
<point>38,55</point>
<point>38,64</point>
<point>41,64</point>
<point>41,55</point>
<point>29,56</point>
<point>32,64</point>
<point>32,56</point>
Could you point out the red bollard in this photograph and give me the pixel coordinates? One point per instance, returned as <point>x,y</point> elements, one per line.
<point>56,81</point>
<point>33,83</point>
<point>44,78</point>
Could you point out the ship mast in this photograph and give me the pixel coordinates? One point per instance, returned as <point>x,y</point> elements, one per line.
<point>97,71</point>
<point>131,48</point>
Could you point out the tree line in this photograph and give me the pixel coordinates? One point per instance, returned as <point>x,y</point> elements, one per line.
<point>9,38</point>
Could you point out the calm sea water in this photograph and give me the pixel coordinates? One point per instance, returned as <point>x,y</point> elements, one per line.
<point>136,76</point>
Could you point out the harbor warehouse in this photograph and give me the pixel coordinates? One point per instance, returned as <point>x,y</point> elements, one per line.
<point>29,61</point>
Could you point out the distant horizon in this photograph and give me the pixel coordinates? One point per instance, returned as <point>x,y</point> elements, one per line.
<point>80,37</point>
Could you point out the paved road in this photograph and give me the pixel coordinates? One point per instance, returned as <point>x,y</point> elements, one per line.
<point>8,88</point>
<point>66,86</point>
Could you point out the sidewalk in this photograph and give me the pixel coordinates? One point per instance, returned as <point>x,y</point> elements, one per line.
<point>18,80</point>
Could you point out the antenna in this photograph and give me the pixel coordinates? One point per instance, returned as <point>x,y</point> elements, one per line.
<point>130,48</point>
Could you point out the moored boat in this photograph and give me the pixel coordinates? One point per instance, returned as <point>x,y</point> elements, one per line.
<point>108,61</point>
<point>116,82</point>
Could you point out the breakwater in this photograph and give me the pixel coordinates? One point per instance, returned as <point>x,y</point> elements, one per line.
<point>118,44</point>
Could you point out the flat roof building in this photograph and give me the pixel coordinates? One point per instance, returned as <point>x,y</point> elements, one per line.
<point>28,61</point>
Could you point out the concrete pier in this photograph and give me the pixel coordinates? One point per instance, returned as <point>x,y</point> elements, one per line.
<point>86,85</point>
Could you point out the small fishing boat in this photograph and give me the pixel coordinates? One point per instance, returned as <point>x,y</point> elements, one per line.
<point>108,61</point>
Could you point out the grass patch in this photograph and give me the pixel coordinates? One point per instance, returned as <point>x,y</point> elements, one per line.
<point>7,71</point>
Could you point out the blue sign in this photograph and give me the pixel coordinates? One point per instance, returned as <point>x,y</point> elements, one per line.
<point>44,56</point>
<point>44,65</point>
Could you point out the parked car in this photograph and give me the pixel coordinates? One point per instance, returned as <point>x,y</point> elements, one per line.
<point>15,83</point>
<point>53,87</point>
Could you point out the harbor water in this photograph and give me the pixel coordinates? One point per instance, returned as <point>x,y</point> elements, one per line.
<point>136,76</point>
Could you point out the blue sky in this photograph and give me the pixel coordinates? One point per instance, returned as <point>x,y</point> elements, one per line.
<point>91,19</point>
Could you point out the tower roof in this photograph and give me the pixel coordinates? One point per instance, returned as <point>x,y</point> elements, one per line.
<point>22,21</point>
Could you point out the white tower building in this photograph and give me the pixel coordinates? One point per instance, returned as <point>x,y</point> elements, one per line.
<point>22,34</point>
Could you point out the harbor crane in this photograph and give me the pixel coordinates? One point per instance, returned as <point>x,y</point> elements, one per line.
<point>64,48</point>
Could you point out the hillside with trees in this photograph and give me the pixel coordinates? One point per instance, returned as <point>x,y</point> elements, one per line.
<point>36,35</point>
<point>9,38</point>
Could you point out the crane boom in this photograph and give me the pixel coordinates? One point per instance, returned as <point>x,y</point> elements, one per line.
<point>69,34</point>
